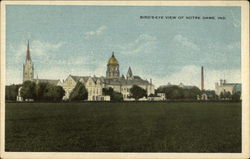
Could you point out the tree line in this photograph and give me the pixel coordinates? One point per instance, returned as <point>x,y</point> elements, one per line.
<point>175,92</point>
<point>41,91</point>
<point>49,92</point>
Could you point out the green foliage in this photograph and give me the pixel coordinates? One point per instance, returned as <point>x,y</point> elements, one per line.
<point>117,97</point>
<point>222,96</point>
<point>28,90</point>
<point>225,95</point>
<point>11,92</point>
<point>78,93</point>
<point>108,91</point>
<point>137,92</point>
<point>228,95</point>
<point>176,92</point>
<point>211,94</point>
<point>40,89</point>
<point>114,96</point>
<point>236,96</point>
<point>53,93</point>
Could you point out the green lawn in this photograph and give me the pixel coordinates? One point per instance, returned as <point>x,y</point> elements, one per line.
<point>123,127</point>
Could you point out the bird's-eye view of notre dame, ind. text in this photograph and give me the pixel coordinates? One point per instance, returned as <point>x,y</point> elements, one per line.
<point>128,79</point>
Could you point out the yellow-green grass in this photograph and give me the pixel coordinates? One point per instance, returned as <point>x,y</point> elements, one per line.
<point>123,127</point>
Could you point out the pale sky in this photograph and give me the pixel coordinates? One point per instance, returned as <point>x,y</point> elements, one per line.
<point>79,40</point>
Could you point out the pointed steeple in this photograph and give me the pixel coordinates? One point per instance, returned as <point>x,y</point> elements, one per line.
<point>130,71</point>
<point>113,55</point>
<point>28,58</point>
<point>129,74</point>
<point>28,68</point>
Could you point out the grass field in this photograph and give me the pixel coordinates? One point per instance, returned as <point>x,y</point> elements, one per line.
<point>123,127</point>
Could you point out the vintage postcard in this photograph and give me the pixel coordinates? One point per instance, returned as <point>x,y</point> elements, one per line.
<point>146,79</point>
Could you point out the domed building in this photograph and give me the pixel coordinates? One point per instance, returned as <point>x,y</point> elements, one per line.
<point>113,68</point>
<point>121,84</point>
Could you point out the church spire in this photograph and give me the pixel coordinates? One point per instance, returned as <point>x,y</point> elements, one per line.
<point>28,67</point>
<point>28,52</point>
<point>129,74</point>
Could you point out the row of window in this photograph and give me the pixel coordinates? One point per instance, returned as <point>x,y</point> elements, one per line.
<point>94,91</point>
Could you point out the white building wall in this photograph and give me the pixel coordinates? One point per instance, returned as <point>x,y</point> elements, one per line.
<point>68,85</point>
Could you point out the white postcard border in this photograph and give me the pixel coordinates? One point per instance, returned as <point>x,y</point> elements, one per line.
<point>245,83</point>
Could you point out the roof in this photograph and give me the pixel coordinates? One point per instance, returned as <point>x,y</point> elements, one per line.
<point>232,84</point>
<point>112,61</point>
<point>236,86</point>
<point>129,74</point>
<point>122,81</point>
<point>113,81</point>
<point>50,81</point>
<point>137,77</point>
<point>77,78</point>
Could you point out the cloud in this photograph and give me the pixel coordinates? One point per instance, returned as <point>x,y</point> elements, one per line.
<point>37,48</point>
<point>97,32</point>
<point>42,48</point>
<point>186,42</point>
<point>191,75</point>
<point>144,43</point>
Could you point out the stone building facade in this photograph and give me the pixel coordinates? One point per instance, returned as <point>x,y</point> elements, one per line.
<point>28,71</point>
<point>95,85</point>
<point>28,67</point>
<point>223,87</point>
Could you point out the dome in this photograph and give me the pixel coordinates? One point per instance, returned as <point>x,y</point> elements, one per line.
<point>113,61</point>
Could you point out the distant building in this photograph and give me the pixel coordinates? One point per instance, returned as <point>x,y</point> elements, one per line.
<point>121,84</point>
<point>203,96</point>
<point>28,74</point>
<point>28,71</point>
<point>158,97</point>
<point>94,85</point>
<point>224,87</point>
<point>28,67</point>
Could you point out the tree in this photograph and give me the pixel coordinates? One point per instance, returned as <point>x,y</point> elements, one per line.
<point>59,93</point>
<point>193,92</point>
<point>227,95</point>
<point>137,92</point>
<point>114,96</point>
<point>53,93</point>
<point>108,91</point>
<point>117,97</point>
<point>176,92</point>
<point>211,94</point>
<point>222,96</point>
<point>78,93</point>
<point>236,96</point>
<point>11,92</point>
<point>28,90</point>
<point>40,90</point>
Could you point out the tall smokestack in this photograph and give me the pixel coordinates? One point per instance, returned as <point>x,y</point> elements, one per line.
<point>202,78</point>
